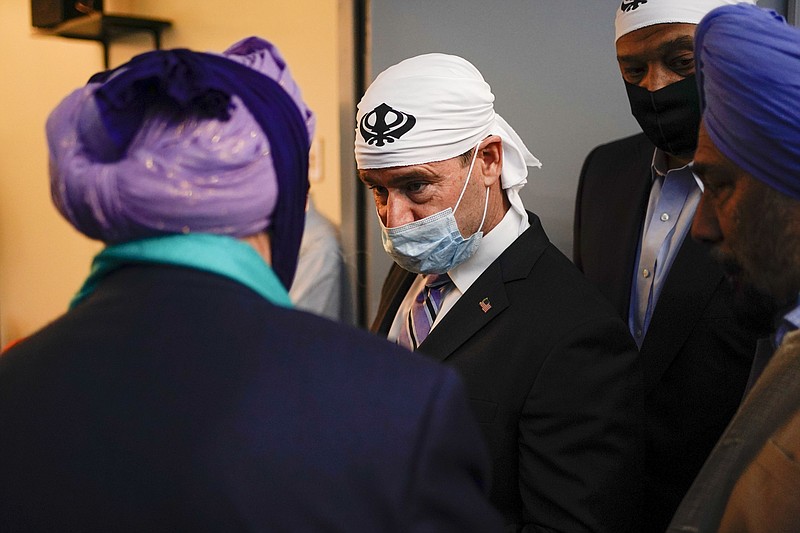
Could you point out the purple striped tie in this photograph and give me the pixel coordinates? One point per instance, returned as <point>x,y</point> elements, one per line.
<point>423,311</point>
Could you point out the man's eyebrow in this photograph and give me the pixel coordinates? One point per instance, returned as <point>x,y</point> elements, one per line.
<point>395,181</point>
<point>684,42</point>
<point>412,175</point>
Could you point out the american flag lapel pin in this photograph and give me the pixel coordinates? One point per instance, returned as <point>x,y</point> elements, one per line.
<point>485,305</point>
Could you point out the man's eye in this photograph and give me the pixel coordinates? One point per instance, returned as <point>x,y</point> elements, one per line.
<point>377,190</point>
<point>633,74</point>
<point>415,186</point>
<point>682,64</point>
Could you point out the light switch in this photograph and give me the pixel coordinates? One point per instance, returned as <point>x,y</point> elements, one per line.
<point>316,160</point>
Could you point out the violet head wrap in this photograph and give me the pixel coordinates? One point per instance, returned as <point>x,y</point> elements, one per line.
<point>179,141</point>
<point>749,74</point>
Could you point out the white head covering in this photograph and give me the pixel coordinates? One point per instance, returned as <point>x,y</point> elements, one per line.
<point>431,108</point>
<point>634,15</point>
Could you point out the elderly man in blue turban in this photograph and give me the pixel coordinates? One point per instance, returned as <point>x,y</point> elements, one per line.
<point>748,158</point>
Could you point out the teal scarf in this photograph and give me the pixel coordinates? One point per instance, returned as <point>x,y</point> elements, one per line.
<point>217,254</point>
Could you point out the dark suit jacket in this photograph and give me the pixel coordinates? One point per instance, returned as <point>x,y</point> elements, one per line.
<point>695,358</point>
<point>177,400</point>
<point>550,372</point>
<point>751,481</point>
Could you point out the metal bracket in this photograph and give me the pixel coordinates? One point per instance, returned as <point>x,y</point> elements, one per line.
<point>104,28</point>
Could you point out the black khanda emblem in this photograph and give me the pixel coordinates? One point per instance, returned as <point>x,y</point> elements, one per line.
<point>631,5</point>
<point>384,124</point>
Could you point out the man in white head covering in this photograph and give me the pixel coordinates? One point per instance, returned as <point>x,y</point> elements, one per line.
<point>636,201</point>
<point>548,366</point>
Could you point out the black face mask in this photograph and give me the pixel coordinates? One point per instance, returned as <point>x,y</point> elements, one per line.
<point>669,116</point>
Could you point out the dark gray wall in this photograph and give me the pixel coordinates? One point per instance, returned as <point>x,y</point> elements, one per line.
<point>553,71</point>
<point>778,5</point>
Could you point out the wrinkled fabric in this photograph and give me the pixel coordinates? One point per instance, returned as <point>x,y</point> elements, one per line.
<point>184,142</point>
<point>634,15</point>
<point>749,75</point>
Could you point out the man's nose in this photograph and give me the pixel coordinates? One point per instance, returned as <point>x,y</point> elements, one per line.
<point>705,226</point>
<point>397,211</point>
<point>658,77</point>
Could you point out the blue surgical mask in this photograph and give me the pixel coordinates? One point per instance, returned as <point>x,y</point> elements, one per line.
<point>433,245</point>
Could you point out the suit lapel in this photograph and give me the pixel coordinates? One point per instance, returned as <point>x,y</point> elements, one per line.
<point>460,323</point>
<point>626,218</point>
<point>487,298</point>
<point>612,201</point>
<point>690,285</point>
<point>468,316</point>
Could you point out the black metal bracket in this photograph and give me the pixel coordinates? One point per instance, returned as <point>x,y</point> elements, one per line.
<point>104,28</point>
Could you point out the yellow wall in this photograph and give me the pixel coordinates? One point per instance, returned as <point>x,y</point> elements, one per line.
<point>42,259</point>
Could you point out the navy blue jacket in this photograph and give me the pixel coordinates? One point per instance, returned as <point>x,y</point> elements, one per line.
<point>177,400</point>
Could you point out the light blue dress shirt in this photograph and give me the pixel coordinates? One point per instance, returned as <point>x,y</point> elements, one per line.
<point>790,322</point>
<point>673,201</point>
<point>766,347</point>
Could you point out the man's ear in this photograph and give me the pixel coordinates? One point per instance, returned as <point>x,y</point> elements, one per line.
<point>490,156</point>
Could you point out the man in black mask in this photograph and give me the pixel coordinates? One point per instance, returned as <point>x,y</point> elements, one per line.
<point>636,201</point>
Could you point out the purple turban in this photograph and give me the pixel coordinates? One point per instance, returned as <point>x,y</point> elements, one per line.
<point>178,142</point>
<point>749,76</point>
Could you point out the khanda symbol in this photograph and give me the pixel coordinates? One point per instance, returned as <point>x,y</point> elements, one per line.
<point>631,5</point>
<point>384,124</point>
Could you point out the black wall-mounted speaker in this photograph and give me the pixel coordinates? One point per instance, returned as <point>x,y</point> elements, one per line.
<point>50,13</point>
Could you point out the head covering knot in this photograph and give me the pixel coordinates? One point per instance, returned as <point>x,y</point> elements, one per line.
<point>749,74</point>
<point>178,141</point>
<point>634,15</point>
<point>431,108</point>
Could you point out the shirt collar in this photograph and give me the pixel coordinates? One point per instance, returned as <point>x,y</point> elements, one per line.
<point>790,322</point>
<point>660,168</point>
<point>493,244</point>
<point>659,163</point>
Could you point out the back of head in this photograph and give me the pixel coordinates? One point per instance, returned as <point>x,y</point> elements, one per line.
<point>184,142</point>
<point>633,15</point>
<point>749,75</point>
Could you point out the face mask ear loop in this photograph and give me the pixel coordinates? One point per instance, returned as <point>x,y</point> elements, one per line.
<point>485,209</point>
<point>469,175</point>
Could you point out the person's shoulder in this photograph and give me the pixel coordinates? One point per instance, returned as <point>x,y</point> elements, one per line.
<point>556,280</point>
<point>633,146</point>
<point>366,351</point>
<point>621,156</point>
<point>636,142</point>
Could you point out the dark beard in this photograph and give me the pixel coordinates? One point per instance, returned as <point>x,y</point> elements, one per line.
<point>762,267</point>
<point>754,309</point>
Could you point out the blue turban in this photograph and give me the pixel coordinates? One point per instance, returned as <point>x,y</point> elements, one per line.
<point>749,74</point>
